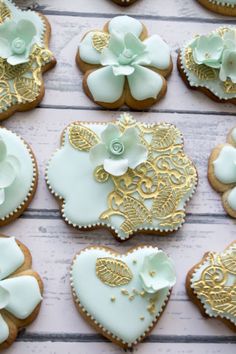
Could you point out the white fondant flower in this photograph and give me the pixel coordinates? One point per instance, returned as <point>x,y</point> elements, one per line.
<point>125,58</point>
<point>208,50</point>
<point>9,168</point>
<point>16,41</point>
<point>118,151</point>
<point>157,273</point>
<point>229,39</point>
<point>228,67</point>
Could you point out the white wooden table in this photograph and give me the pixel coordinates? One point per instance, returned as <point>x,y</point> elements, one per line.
<point>59,328</point>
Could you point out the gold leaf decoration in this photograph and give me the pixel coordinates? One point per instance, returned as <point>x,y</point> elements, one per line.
<point>82,138</point>
<point>163,138</point>
<point>113,272</point>
<point>13,71</point>
<point>202,71</point>
<point>5,96</point>
<point>27,89</point>
<point>4,12</point>
<point>229,87</point>
<point>100,40</point>
<point>165,202</point>
<point>229,261</point>
<point>101,175</point>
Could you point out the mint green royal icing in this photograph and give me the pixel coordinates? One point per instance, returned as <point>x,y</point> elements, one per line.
<point>21,161</point>
<point>125,57</point>
<point>224,2</point>
<point>127,320</point>
<point>18,295</point>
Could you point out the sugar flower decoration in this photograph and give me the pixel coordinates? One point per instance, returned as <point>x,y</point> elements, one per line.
<point>9,169</point>
<point>117,152</point>
<point>208,50</point>
<point>157,273</point>
<point>16,40</point>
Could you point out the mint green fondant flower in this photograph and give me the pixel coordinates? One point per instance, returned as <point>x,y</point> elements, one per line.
<point>9,168</point>
<point>228,67</point>
<point>157,273</point>
<point>208,50</point>
<point>229,39</point>
<point>16,41</point>
<point>117,152</point>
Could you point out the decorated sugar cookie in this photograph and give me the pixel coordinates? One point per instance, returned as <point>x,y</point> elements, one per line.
<point>20,290</point>
<point>224,7</point>
<point>124,175</point>
<point>132,290</point>
<point>24,56</point>
<point>124,2</point>
<point>222,172</point>
<point>122,65</point>
<point>208,63</point>
<point>211,284</point>
<point>18,176</point>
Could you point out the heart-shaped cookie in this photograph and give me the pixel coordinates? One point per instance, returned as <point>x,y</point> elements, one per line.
<point>131,293</point>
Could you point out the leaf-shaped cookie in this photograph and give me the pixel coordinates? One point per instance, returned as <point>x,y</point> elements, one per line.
<point>82,138</point>
<point>4,12</point>
<point>164,137</point>
<point>26,88</point>
<point>113,272</point>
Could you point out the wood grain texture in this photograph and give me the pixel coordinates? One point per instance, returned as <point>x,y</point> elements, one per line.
<point>205,124</point>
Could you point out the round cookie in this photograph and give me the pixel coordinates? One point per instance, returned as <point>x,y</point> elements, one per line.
<point>18,176</point>
<point>24,57</point>
<point>119,59</point>
<point>222,174</point>
<point>211,285</point>
<point>207,63</point>
<point>125,175</point>
<point>20,290</point>
<point>132,290</point>
<point>223,7</point>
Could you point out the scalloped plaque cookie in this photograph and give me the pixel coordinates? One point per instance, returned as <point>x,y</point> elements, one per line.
<point>211,284</point>
<point>24,57</point>
<point>208,63</point>
<point>20,290</point>
<point>124,175</point>
<point>224,7</point>
<point>132,290</point>
<point>222,172</point>
<point>18,176</point>
<point>123,65</point>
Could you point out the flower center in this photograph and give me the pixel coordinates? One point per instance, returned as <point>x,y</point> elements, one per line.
<point>126,57</point>
<point>18,46</point>
<point>152,273</point>
<point>207,56</point>
<point>117,147</point>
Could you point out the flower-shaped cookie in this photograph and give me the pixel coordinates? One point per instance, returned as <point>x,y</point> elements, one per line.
<point>127,176</point>
<point>20,290</point>
<point>24,56</point>
<point>122,65</point>
<point>208,63</point>
<point>211,285</point>
<point>222,172</point>
<point>224,7</point>
<point>122,309</point>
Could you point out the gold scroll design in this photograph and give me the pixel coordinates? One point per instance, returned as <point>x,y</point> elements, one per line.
<point>22,83</point>
<point>4,12</point>
<point>113,272</point>
<point>202,71</point>
<point>213,284</point>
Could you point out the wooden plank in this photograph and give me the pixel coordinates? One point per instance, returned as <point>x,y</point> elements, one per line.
<point>108,348</point>
<point>42,129</point>
<point>54,244</point>
<point>175,9</point>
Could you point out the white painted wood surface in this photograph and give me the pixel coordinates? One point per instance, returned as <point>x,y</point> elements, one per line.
<point>59,328</point>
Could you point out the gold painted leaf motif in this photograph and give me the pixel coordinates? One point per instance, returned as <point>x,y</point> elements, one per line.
<point>82,138</point>
<point>4,12</point>
<point>113,272</point>
<point>100,40</point>
<point>5,96</point>
<point>164,137</point>
<point>202,71</point>
<point>27,90</point>
<point>229,87</point>
<point>229,261</point>
<point>164,203</point>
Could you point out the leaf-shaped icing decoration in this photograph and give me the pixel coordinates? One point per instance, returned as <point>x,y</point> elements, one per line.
<point>5,95</point>
<point>228,260</point>
<point>113,272</point>
<point>100,40</point>
<point>82,138</point>
<point>13,71</point>
<point>202,71</point>
<point>165,202</point>
<point>4,12</point>
<point>229,87</point>
<point>164,137</point>
<point>26,88</point>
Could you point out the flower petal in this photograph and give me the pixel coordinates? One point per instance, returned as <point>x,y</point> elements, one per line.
<point>14,162</point>
<point>116,43</point>
<point>125,24</point>
<point>130,137</point>
<point>7,174</point>
<point>4,297</point>
<point>108,57</point>
<point>18,59</point>
<point>5,48</point>
<point>98,154</point>
<point>158,51</point>
<point>105,86</point>
<point>124,70</point>
<point>87,51</point>
<point>3,150</point>
<point>116,167</point>
<point>4,330</point>
<point>26,30</point>
<point>134,44</point>
<point>8,30</point>
<point>136,155</point>
<point>2,196</point>
<point>145,83</point>
<point>111,132</point>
